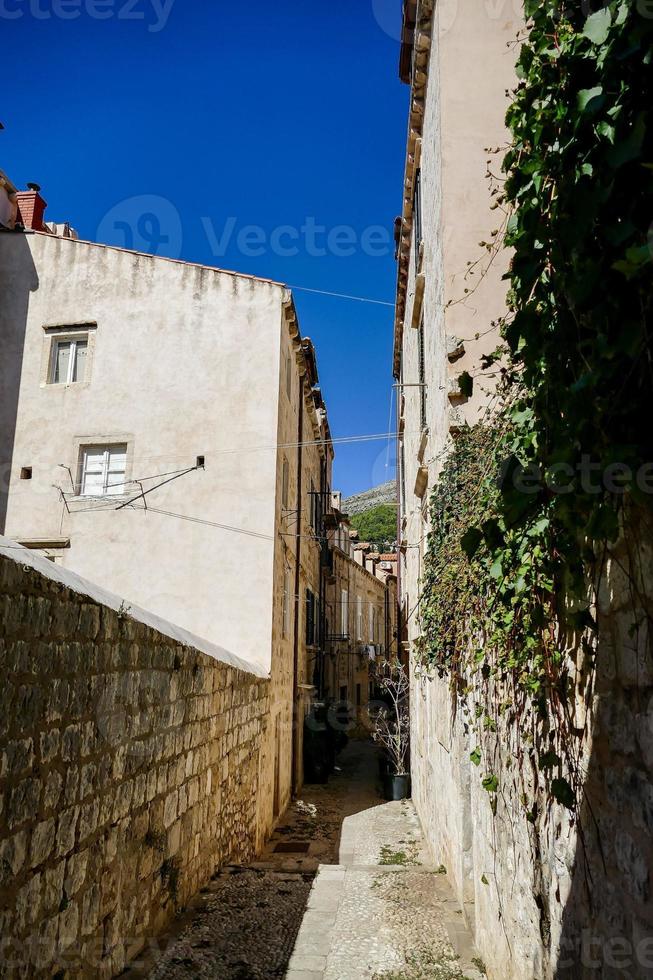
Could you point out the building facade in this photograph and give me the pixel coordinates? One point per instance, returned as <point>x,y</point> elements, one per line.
<point>143,401</point>
<point>361,620</point>
<point>459,62</point>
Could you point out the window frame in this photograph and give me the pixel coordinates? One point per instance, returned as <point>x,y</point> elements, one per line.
<point>66,333</point>
<point>344,612</point>
<point>73,342</point>
<point>85,449</point>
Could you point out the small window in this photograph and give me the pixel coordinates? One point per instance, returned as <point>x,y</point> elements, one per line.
<point>103,470</point>
<point>68,363</point>
<point>372,625</point>
<point>359,618</point>
<point>26,472</point>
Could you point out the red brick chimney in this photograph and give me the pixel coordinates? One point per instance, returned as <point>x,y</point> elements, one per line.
<point>31,208</point>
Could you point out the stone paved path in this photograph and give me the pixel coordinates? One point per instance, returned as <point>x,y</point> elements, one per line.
<point>357,916</point>
<point>384,912</point>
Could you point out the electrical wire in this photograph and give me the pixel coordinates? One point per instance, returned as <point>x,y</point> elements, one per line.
<point>200,520</point>
<point>245,450</point>
<point>358,299</point>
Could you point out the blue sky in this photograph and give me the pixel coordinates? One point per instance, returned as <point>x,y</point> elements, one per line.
<point>268,114</point>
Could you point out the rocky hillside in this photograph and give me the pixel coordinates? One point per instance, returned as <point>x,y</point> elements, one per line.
<point>386,493</point>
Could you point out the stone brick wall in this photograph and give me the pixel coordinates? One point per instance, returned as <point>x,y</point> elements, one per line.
<point>558,895</point>
<point>129,769</point>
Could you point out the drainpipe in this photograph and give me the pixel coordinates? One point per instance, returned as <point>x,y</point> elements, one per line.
<point>298,597</point>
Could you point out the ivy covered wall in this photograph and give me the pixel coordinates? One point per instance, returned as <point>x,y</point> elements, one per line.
<point>537,595</point>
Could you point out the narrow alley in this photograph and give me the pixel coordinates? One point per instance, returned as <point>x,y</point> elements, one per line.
<point>343,890</point>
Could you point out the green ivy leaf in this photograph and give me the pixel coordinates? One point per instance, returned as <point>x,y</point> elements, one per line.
<point>607,130</point>
<point>490,783</point>
<point>597,26</point>
<point>466,384</point>
<point>475,757</point>
<point>590,99</point>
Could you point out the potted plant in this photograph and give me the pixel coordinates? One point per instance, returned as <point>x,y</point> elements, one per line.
<point>392,731</point>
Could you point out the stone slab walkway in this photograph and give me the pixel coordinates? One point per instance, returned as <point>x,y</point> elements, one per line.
<point>383,912</point>
<point>344,886</point>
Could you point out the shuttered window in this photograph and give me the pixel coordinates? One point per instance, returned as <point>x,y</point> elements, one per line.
<point>103,470</point>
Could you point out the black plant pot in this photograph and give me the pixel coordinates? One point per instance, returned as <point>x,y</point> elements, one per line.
<point>396,787</point>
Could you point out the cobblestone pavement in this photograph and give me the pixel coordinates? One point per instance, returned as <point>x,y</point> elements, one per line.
<point>345,881</point>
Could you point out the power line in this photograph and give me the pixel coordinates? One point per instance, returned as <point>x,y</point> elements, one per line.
<point>200,520</point>
<point>358,299</point>
<point>245,450</point>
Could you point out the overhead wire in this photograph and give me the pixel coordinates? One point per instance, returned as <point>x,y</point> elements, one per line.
<point>358,299</point>
<point>245,450</point>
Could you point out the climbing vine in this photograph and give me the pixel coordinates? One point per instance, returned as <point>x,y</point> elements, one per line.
<point>531,498</point>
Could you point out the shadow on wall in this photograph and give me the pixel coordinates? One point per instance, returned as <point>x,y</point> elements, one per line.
<point>18,278</point>
<point>607,921</point>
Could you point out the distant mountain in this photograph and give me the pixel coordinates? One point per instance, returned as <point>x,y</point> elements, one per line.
<point>386,493</point>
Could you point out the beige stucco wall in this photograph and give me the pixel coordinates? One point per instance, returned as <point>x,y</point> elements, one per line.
<point>185,363</point>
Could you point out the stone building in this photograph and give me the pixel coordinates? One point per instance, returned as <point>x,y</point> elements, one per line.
<point>361,626</point>
<point>457,61</point>
<point>142,401</point>
<point>549,892</point>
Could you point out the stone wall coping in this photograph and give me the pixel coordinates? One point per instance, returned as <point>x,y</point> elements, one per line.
<point>64,576</point>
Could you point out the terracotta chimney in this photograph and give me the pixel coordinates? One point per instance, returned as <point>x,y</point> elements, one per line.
<point>31,208</point>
